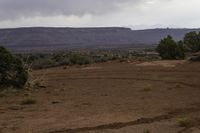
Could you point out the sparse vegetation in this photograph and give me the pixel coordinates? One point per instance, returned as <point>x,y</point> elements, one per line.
<point>35,84</point>
<point>28,101</point>
<point>46,60</point>
<point>146,131</point>
<point>147,88</point>
<point>131,89</point>
<point>183,122</point>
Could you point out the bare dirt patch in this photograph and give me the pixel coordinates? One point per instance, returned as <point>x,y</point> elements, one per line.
<point>108,97</point>
<point>90,68</point>
<point>163,63</point>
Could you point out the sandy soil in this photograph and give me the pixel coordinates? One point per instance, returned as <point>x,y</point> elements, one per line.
<point>108,98</point>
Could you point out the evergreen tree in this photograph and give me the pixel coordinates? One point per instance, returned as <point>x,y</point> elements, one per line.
<point>12,72</point>
<point>169,49</point>
<point>192,41</point>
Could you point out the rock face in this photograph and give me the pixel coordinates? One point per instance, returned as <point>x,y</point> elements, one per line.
<point>38,38</point>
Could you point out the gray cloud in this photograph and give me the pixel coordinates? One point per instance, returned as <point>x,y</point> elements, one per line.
<point>12,9</point>
<point>84,13</point>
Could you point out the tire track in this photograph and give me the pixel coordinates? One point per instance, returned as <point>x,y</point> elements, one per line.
<point>119,125</point>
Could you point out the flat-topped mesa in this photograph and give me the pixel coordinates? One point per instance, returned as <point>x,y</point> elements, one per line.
<point>48,38</point>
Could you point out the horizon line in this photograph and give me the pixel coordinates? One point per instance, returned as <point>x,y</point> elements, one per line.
<point>88,27</point>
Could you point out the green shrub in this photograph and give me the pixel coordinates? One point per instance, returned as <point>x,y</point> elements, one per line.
<point>192,41</point>
<point>169,49</point>
<point>12,72</point>
<point>180,50</point>
<point>80,59</point>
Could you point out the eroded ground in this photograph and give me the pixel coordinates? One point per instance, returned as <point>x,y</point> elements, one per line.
<point>108,98</point>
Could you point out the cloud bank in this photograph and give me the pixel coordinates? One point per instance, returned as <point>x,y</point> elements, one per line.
<point>10,9</point>
<point>84,13</point>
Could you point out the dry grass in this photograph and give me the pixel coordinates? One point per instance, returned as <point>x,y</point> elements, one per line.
<point>146,131</point>
<point>183,122</point>
<point>147,88</point>
<point>28,101</point>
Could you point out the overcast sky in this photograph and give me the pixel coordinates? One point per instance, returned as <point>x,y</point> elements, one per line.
<point>137,14</point>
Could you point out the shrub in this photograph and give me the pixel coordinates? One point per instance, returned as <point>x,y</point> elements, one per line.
<point>12,72</point>
<point>80,59</point>
<point>192,41</point>
<point>98,59</point>
<point>180,50</point>
<point>169,49</point>
<point>43,63</point>
<point>147,88</point>
<point>28,101</point>
<point>146,131</point>
<point>183,122</point>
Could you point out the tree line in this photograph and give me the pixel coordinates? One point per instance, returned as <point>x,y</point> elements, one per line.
<point>170,49</point>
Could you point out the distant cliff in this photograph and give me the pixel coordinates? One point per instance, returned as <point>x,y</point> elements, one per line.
<point>38,38</point>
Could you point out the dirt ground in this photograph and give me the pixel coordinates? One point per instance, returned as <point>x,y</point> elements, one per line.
<point>113,97</point>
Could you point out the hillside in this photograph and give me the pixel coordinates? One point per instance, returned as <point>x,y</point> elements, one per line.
<point>38,38</point>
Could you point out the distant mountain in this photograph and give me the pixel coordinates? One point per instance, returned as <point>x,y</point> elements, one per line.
<point>38,38</point>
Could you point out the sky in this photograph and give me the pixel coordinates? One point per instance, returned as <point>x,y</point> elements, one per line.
<point>136,14</point>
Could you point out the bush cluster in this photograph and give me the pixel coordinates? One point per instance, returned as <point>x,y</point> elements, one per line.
<point>41,61</point>
<point>12,72</point>
<point>192,41</point>
<point>46,60</point>
<point>169,49</point>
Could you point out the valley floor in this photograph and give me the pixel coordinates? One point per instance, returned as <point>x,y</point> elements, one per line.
<point>128,97</point>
